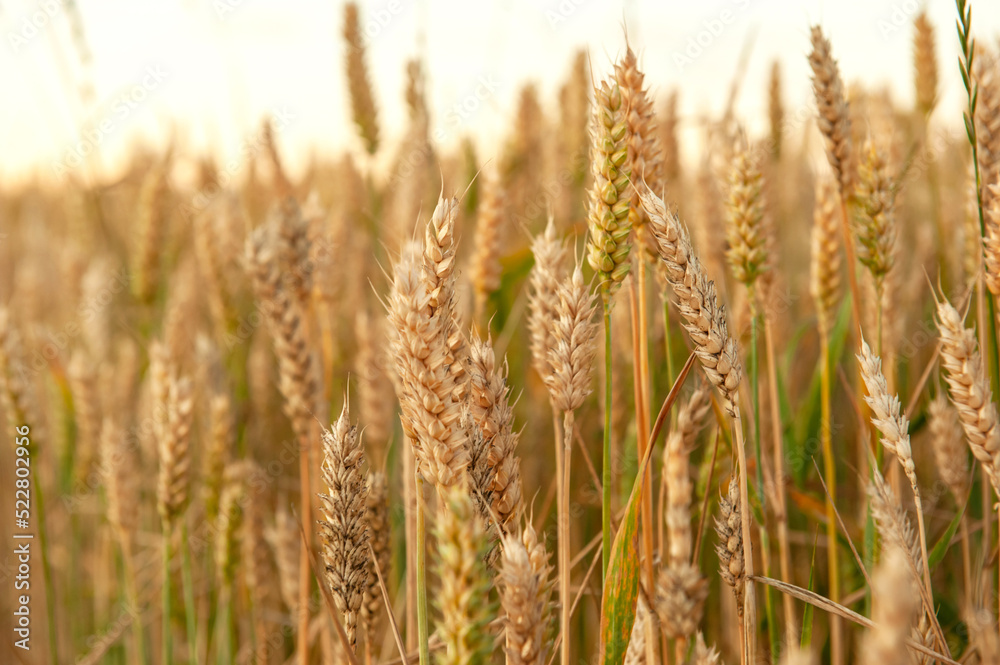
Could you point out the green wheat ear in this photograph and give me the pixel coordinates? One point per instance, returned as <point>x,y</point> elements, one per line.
<point>610,227</point>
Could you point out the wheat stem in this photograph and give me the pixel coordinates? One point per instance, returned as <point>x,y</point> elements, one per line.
<point>190,614</point>
<point>167,641</point>
<point>749,601</point>
<point>421,562</point>
<point>606,480</point>
<point>781,510</point>
<point>830,471</point>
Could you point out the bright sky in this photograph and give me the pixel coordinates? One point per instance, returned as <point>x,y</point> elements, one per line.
<point>207,71</point>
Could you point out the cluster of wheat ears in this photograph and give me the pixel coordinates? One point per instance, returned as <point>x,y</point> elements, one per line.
<point>373,413</point>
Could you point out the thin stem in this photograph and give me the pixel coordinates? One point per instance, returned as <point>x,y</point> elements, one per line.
<point>780,510</point>
<point>424,634</point>
<point>966,561</point>
<point>749,599</point>
<point>225,650</point>
<point>410,519</point>
<point>765,539</point>
<point>168,643</point>
<point>133,600</point>
<point>830,469</point>
<point>188,582</point>
<point>50,592</point>
<point>606,480</point>
<point>565,564</point>
<point>305,578</point>
<point>640,371</point>
<point>923,539</point>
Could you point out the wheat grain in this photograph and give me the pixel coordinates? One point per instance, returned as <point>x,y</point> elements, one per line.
<point>343,530</point>
<point>893,606</point>
<point>875,223</point>
<point>358,81</point>
<point>696,301</point>
<point>970,389</point>
<point>950,454</point>
<point>925,63</point>
<point>572,348</point>
<point>463,597</point>
<point>152,224</point>
<point>218,451</point>
<point>730,547</point>
<point>704,655</point>
<point>489,407</point>
<point>824,283</point>
<point>609,223</point>
<point>775,110</point>
<point>426,387</point>
<point>524,595</point>
<point>643,160</point>
<point>747,253</point>
<point>543,300</point>
<point>174,453</point>
<point>486,269</point>
<point>832,109</point>
<point>373,385</point>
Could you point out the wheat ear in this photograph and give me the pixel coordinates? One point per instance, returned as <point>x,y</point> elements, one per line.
<point>524,594</point>
<point>486,269</point>
<point>895,436</point>
<point>681,588</point>
<point>894,604</point>
<point>490,408</point>
<point>463,598</point>
<point>925,63</point>
<point>543,300</point>
<point>609,222</point>
<point>824,275</point>
<point>343,530</point>
<point>970,389</point>
<point>358,80</point>
<point>833,116</point>
<point>425,387</point>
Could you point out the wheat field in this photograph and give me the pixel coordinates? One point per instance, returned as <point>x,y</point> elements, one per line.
<point>591,397</point>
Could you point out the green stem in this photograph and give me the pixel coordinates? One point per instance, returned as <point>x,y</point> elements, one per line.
<point>830,469</point>
<point>168,643</point>
<point>225,625</point>
<point>133,601</point>
<point>190,613</point>
<point>606,480</point>
<point>50,592</point>
<point>772,629</point>
<point>422,630</point>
